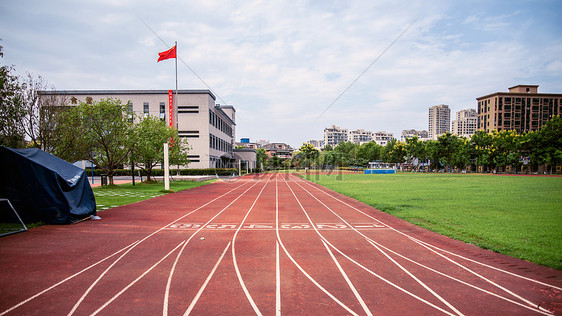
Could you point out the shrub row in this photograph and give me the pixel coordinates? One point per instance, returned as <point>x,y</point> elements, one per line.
<point>160,172</point>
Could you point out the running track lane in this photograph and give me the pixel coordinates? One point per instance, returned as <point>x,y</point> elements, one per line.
<point>268,245</point>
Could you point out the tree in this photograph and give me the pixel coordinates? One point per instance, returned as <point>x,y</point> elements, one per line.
<point>394,152</point>
<point>370,151</point>
<point>415,150</point>
<point>148,138</point>
<point>103,133</point>
<point>550,138</point>
<point>261,157</point>
<point>328,147</point>
<point>481,143</point>
<point>11,112</point>
<point>347,152</point>
<point>447,145</point>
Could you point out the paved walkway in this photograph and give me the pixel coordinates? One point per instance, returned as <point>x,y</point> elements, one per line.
<point>268,245</point>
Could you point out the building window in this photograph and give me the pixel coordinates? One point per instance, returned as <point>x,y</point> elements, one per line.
<point>130,108</point>
<point>162,111</point>
<point>145,107</point>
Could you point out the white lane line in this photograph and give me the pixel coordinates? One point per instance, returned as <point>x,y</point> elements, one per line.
<point>365,268</point>
<point>295,262</point>
<point>63,281</point>
<point>376,245</point>
<point>484,278</point>
<point>277,281</point>
<point>99,278</point>
<point>466,283</point>
<point>172,270</point>
<point>349,283</point>
<point>413,238</point>
<point>238,274</point>
<point>466,268</point>
<point>196,298</point>
<point>132,246</point>
<point>136,280</point>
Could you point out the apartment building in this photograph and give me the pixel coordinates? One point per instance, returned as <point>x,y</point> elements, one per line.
<point>360,136</point>
<point>334,135</point>
<point>208,127</point>
<point>522,108</point>
<point>465,122</point>
<point>382,138</point>
<point>439,120</point>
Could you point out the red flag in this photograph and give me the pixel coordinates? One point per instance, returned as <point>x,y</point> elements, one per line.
<point>170,53</point>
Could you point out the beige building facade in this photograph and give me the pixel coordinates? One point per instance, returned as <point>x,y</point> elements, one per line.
<point>522,109</point>
<point>208,127</point>
<point>334,135</point>
<point>439,120</point>
<point>465,123</point>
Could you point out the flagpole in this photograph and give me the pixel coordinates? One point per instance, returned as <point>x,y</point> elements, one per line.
<point>176,103</point>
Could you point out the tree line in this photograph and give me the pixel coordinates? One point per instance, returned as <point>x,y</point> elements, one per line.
<point>483,152</point>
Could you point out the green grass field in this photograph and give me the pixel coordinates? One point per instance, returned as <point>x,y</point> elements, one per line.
<point>116,195</point>
<point>516,216</point>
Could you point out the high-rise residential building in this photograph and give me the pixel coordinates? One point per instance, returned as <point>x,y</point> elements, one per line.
<point>335,135</point>
<point>465,124</point>
<point>439,120</point>
<point>522,108</point>
<point>382,138</point>
<point>360,136</point>
<point>208,127</point>
<point>409,133</point>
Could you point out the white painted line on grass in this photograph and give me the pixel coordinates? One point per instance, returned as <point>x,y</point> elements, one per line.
<point>196,298</point>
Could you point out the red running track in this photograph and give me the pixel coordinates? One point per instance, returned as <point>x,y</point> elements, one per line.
<point>268,245</point>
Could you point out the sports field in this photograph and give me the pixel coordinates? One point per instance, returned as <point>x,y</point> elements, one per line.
<point>520,216</point>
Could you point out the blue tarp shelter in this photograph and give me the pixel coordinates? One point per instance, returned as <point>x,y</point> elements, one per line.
<point>42,187</point>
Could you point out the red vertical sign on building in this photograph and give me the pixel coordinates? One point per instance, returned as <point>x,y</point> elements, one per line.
<point>171,103</point>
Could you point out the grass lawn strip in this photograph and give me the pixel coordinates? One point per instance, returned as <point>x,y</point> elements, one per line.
<point>517,216</point>
<point>108,197</point>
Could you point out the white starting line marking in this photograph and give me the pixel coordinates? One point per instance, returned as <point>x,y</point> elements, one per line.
<point>285,226</point>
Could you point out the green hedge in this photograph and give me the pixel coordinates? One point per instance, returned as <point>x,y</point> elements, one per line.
<point>160,172</point>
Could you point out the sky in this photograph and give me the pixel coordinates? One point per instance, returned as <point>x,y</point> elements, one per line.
<point>292,68</point>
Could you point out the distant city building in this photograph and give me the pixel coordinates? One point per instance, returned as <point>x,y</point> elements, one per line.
<point>208,127</point>
<point>465,124</point>
<point>318,144</point>
<point>360,136</point>
<point>409,133</point>
<point>280,150</point>
<point>382,138</point>
<point>522,109</point>
<point>439,120</point>
<point>335,135</point>
<point>245,143</point>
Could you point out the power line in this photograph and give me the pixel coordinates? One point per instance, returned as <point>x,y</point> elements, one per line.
<point>364,71</point>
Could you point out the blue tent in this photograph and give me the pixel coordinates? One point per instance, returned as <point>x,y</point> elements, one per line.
<point>42,187</point>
